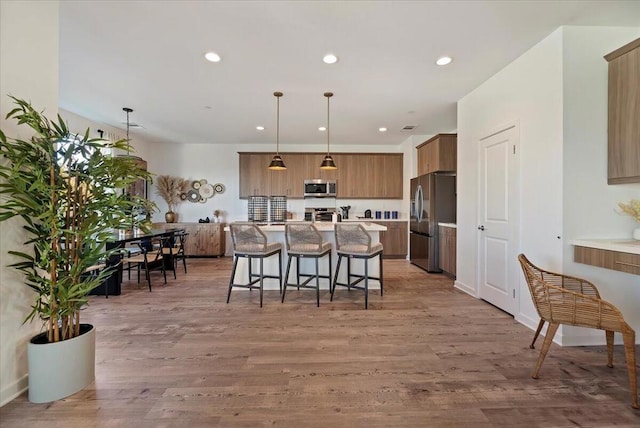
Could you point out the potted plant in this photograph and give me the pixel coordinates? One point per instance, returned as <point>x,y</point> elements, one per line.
<point>170,189</point>
<point>64,188</point>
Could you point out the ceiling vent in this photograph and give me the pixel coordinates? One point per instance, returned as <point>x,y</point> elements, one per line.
<point>409,127</point>
<point>132,125</point>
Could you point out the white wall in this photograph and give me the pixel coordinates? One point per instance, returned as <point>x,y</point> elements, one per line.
<point>589,202</point>
<point>28,70</point>
<point>556,93</point>
<point>220,164</point>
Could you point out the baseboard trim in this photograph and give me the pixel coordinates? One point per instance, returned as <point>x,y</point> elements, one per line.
<point>463,287</point>
<point>13,390</point>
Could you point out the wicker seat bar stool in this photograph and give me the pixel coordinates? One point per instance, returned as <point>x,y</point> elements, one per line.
<point>251,243</point>
<point>354,242</point>
<point>304,241</point>
<point>562,299</point>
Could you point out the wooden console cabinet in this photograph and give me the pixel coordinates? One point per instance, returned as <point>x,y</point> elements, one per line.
<point>205,239</point>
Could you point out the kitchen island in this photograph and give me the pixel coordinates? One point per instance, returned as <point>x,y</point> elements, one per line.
<point>275,233</point>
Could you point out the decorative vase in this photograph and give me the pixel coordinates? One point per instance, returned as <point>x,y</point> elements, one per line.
<point>636,233</point>
<point>57,370</point>
<point>170,217</point>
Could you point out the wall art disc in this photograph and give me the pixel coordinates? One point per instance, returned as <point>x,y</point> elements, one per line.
<point>193,196</point>
<point>206,190</point>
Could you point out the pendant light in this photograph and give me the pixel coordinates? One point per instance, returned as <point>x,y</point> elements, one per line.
<point>128,110</point>
<point>328,163</point>
<point>277,164</point>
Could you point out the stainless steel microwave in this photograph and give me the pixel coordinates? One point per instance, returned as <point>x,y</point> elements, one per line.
<point>319,189</point>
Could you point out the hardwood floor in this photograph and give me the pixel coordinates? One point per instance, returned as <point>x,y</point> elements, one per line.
<point>423,355</point>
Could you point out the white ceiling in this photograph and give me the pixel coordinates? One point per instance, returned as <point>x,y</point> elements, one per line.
<point>148,55</point>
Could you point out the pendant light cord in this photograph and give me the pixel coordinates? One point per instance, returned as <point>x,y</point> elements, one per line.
<point>328,127</point>
<point>278,125</point>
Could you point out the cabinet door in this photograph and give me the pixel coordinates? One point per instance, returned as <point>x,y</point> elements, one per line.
<point>393,177</point>
<point>624,111</point>
<point>254,174</point>
<point>439,153</point>
<point>394,239</point>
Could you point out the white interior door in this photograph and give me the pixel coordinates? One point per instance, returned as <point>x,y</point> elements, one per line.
<point>498,221</point>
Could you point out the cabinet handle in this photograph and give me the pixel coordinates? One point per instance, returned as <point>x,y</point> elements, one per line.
<point>628,264</point>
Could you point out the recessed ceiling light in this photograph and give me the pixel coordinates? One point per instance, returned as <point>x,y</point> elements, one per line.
<point>330,59</point>
<point>260,128</point>
<point>444,60</point>
<point>212,56</point>
<point>383,129</point>
<point>322,128</point>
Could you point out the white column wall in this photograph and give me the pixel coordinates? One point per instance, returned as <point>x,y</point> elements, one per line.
<point>528,92</point>
<point>28,70</point>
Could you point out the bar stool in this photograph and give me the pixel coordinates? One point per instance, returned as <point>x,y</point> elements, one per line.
<point>304,241</point>
<point>354,242</point>
<point>251,243</point>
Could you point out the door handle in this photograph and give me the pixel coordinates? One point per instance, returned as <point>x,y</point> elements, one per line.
<point>480,227</point>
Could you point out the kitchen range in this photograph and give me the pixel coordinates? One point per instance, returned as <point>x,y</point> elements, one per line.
<point>433,201</point>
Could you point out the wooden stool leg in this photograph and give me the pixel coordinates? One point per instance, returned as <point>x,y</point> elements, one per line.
<point>551,331</point>
<point>535,336</point>
<point>629,338</point>
<point>609,335</point>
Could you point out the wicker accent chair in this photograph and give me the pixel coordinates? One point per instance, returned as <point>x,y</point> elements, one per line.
<point>562,299</point>
<point>304,241</point>
<point>251,243</point>
<point>354,242</point>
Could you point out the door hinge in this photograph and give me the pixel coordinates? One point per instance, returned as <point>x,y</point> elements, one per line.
<point>514,293</point>
<point>514,149</point>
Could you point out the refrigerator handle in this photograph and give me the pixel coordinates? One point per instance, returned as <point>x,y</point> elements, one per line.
<point>419,203</point>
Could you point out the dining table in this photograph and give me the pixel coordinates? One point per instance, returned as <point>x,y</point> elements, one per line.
<point>112,286</point>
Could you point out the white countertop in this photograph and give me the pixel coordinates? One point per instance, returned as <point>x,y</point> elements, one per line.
<point>322,226</point>
<point>374,220</point>
<point>622,245</point>
<point>455,226</point>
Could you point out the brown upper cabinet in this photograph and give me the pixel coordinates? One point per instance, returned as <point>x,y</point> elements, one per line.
<point>624,114</point>
<point>438,153</point>
<point>359,175</point>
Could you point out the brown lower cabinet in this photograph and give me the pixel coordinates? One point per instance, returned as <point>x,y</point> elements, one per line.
<point>614,260</point>
<point>205,239</point>
<point>394,240</point>
<point>447,249</point>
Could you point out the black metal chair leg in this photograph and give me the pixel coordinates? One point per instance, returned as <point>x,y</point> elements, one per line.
<point>381,277</point>
<point>261,278</point>
<point>286,278</point>
<point>335,278</point>
<point>366,283</point>
<point>317,282</point>
<point>280,270</point>
<point>233,274</point>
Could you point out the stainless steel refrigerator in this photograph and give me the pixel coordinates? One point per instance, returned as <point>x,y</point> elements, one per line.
<point>433,201</point>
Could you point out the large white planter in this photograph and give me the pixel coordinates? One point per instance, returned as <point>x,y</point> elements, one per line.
<point>57,370</point>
